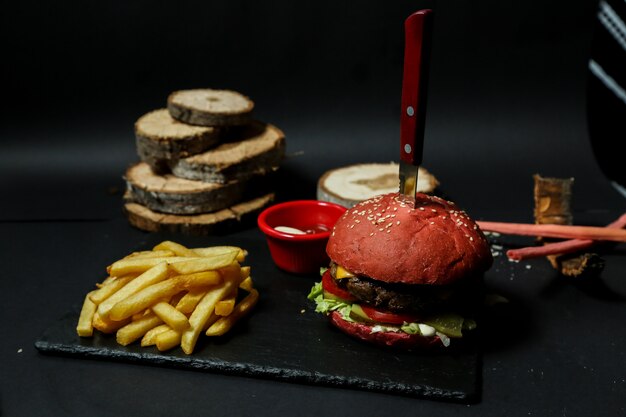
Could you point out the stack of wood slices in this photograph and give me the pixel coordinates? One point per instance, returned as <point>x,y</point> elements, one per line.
<point>206,165</point>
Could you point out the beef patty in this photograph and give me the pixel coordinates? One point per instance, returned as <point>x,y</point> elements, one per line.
<point>408,297</point>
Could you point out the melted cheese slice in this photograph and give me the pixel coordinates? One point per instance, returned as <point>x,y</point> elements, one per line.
<point>341,272</point>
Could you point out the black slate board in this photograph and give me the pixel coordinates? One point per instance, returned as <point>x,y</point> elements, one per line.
<point>286,340</point>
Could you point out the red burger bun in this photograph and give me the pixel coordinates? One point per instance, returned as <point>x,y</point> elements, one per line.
<point>387,239</point>
<point>398,340</point>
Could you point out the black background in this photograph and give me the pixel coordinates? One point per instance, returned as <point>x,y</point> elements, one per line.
<point>508,83</point>
<point>507,99</point>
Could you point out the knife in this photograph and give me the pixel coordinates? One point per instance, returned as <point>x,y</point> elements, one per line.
<point>417,43</point>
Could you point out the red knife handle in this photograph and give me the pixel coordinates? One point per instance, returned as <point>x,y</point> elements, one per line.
<point>418,35</point>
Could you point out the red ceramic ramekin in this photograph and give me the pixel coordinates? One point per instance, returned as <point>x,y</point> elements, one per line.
<point>300,254</point>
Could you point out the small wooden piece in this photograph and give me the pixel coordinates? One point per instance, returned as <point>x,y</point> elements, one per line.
<point>161,138</point>
<point>352,184</point>
<point>206,107</point>
<point>218,222</point>
<point>581,266</point>
<point>170,194</point>
<point>257,149</point>
<point>553,206</point>
<point>552,200</point>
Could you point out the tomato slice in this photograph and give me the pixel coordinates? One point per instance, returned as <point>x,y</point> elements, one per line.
<point>388,317</point>
<point>329,285</point>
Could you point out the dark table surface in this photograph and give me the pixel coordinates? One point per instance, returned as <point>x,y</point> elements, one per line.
<point>560,353</point>
<point>503,106</point>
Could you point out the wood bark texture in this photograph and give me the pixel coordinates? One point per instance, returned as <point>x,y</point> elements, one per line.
<point>219,222</point>
<point>161,138</point>
<point>169,194</point>
<point>258,149</point>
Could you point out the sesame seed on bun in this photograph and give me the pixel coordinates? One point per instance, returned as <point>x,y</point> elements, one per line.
<point>387,239</point>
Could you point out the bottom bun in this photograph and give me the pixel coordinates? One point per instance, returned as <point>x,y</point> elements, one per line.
<point>398,340</point>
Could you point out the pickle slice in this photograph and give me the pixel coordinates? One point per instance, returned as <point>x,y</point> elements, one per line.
<point>358,313</point>
<point>450,324</point>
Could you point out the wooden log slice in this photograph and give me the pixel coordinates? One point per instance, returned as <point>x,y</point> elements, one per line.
<point>206,107</point>
<point>222,221</point>
<point>170,194</point>
<point>161,138</point>
<point>352,184</point>
<point>258,150</point>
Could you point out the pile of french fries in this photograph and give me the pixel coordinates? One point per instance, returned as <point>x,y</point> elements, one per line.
<point>167,296</point>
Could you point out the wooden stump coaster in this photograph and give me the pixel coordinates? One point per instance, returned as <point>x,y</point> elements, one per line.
<point>161,138</point>
<point>352,184</point>
<point>206,107</point>
<point>258,149</point>
<point>169,194</point>
<point>222,221</point>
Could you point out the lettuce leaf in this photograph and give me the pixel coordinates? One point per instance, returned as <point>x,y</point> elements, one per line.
<point>326,305</point>
<point>446,325</point>
<point>315,291</point>
<point>411,328</point>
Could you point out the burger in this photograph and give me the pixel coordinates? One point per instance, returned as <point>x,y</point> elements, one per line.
<point>404,275</point>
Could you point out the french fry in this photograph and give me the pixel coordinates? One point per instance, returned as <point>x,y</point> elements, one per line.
<point>169,295</point>
<point>206,307</point>
<point>106,281</point>
<point>153,275</point>
<point>140,265</point>
<point>212,319</point>
<point>154,293</point>
<point>225,306</point>
<point>149,338</point>
<point>168,340</point>
<point>140,314</point>
<point>151,254</point>
<point>84,327</point>
<point>245,272</point>
<point>109,288</point>
<point>190,300</point>
<point>218,250</point>
<point>177,248</point>
<point>247,284</point>
<point>170,316</point>
<point>176,297</point>
<point>224,324</point>
<point>105,325</point>
<point>191,265</point>
<point>136,329</point>
<point>198,279</point>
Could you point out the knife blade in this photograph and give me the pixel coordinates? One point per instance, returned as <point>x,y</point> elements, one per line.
<point>417,45</point>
